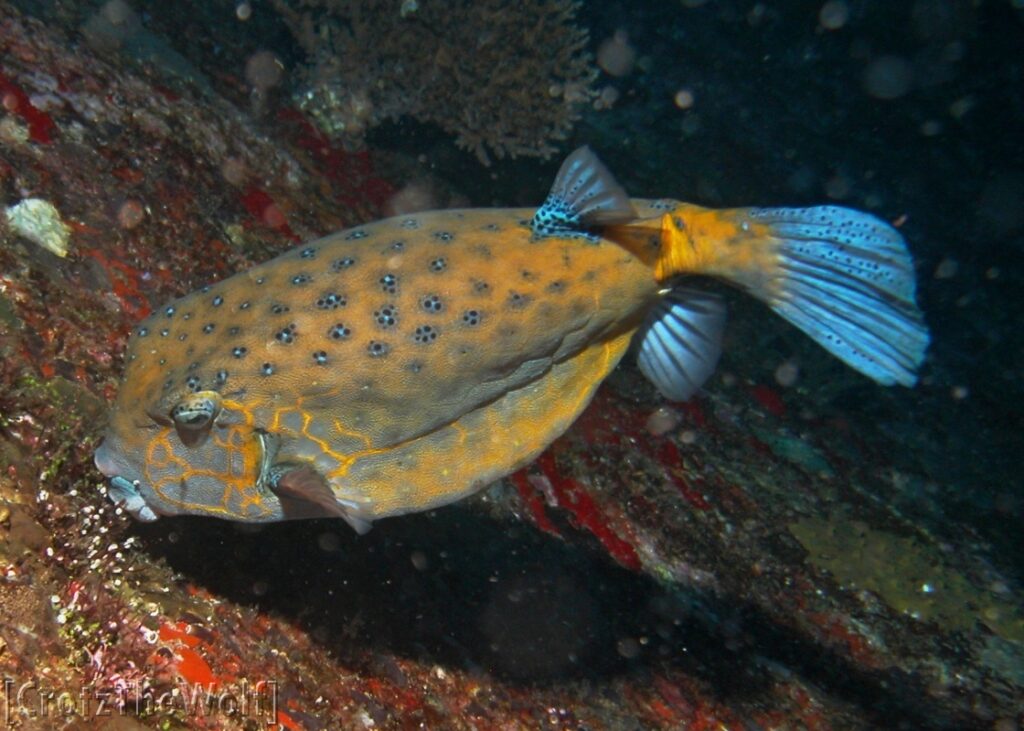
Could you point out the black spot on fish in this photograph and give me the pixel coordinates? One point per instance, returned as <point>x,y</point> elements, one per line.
<point>444,236</point>
<point>320,357</point>
<point>217,301</point>
<point>439,264</point>
<point>204,289</point>
<point>187,316</point>
<point>239,351</point>
<point>378,349</point>
<point>339,331</point>
<point>260,280</point>
<point>234,330</point>
<point>410,223</point>
<point>279,309</point>
<point>472,317</point>
<point>389,283</point>
<point>432,303</point>
<point>267,369</point>
<point>481,287</point>
<point>300,279</point>
<point>527,275</point>
<point>286,335</point>
<point>192,383</point>
<point>244,306</point>
<point>356,234</point>
<point>492,227</point>
<point>386,317</point>
<point>331,301</point>
<point>517,301</point>
<point>142,332</point>
<point>308,253</point>
<point>192,366</point>
<point>165,332</point>
<point>339,265</point>
<point>425,334</point>
<point>208,327</point>
<point>396,246</point>
<point>182,337</point>
<point>414,366</point>
<point>556,287</point>
<point>221,377</point>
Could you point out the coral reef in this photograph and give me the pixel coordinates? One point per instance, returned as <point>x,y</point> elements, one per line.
<point>506,79</point>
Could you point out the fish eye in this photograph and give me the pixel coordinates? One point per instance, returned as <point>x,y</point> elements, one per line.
<point>194,415</point>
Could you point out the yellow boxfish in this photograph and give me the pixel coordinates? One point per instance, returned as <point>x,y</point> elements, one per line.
<point>404,364</point>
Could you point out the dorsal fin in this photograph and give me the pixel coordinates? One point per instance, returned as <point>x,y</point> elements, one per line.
<point>584,194</point>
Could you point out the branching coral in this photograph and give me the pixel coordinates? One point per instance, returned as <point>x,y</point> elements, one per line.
<point>505,78</point>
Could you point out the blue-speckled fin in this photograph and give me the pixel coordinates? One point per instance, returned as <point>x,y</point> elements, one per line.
<point>847,280</point>
<point>584,194</point>
<point>681,340</point>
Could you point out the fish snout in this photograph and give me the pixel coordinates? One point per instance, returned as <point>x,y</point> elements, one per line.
<point>104,460</point>
<point>121,490</point>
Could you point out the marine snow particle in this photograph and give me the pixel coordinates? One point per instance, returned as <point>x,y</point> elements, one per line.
<point>616,55</point>
<point>787,373</point>
<point>888,77</point>
<point>683,99</point>
<point>833,15</point>
<point>662,420</point>
<point>263,70</point>
<point>130,214</point>
<point>39,221</point>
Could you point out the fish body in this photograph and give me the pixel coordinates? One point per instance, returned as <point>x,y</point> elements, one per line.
<point>406,363</point>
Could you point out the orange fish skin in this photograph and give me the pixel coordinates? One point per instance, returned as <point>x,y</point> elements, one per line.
<point>411,361</point>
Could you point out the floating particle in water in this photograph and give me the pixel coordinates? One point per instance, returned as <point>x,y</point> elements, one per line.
<point>837,187</point>
<point>234,170</point>
<point>616,55</point>
<point>946,269</point>
<point>787,373</point>
<point>628,648</point>
<point>959,393</point>
<point>662,421</point>
<point>888,77</point>
<point>833,15</point>
<point>263,70</point>
<point>39,221</point>
<point>684,98</point>
<point>130,214</point>
<point>328,542</point>
<point>243,11</point>
<point>607,98</point>
<point>960,108</point>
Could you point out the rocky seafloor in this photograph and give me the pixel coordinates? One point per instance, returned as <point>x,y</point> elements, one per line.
<point>794,548</point>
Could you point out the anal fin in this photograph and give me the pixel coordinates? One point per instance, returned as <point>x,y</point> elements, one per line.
<point>681,341</point>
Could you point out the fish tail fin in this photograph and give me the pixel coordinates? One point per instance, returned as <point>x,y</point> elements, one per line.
<point>842,276</point>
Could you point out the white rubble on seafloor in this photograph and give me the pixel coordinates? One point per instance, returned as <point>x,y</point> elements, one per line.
<point>40,222</point>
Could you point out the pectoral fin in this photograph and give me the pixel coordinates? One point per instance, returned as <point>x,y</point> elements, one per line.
<point>304,493</point>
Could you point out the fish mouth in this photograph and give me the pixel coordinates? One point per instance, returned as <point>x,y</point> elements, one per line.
<point>121,491</point>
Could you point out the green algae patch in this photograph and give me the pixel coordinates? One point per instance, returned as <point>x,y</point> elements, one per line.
<point>796,450</point>
<point>908,575</point>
